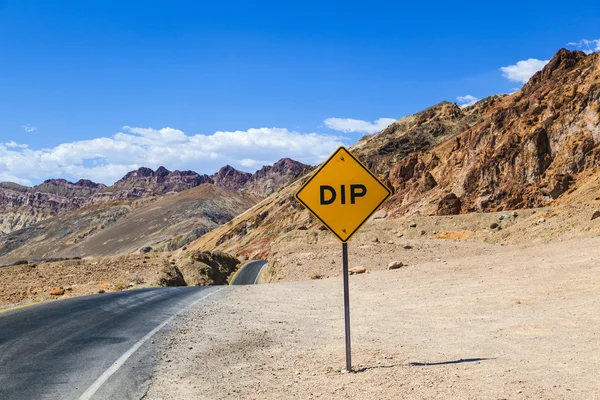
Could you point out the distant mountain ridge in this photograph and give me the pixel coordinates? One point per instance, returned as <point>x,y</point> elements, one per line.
<point>149,182</point>
<point>113,228</point>
<point>22,206</point>
<point>271,178</point>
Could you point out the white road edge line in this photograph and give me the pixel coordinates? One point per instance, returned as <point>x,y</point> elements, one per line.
<point>119,363</point>
<point>258,275</point>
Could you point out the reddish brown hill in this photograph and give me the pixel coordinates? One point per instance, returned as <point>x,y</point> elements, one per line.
<point>145,182</point>
<point>270,178</point>
<point>417,133</point>
<point>527,151</point>
<point>230,178</point>
<point>516,151</point>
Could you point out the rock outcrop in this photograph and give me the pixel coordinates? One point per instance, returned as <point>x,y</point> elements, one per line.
<point>146,182</point>
<point>271,178</point>
<point>523,150</point>
<point>203,268</point>
<point>230,178</point>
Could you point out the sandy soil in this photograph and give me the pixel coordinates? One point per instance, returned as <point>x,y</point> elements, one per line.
<point>302,255</point>
<point>33,283</point>
<point>484,322</point>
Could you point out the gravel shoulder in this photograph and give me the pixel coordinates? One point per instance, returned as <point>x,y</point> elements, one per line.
<point>482,321</point>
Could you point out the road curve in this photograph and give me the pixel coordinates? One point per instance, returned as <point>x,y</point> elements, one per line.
<point>77,347</point>
<point>248,275</point>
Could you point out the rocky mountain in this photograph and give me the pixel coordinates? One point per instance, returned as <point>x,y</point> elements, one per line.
<point>263,182</point>
<point>230,178</point>
<point>22,206</point>
<point>415,133</point>
<point>116,228</point>
<point>145,182</point>
<point>270,178</point>
<point>528,149</point>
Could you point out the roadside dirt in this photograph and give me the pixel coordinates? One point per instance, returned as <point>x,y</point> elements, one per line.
<point>32,283</point>
<point>305,254</point>
<point>484,322</point>
<point>63,279</point>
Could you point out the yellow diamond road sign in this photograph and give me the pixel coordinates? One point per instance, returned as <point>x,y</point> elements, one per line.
<point>343,194</point>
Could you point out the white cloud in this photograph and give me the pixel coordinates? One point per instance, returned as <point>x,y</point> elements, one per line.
<point>248,162</point>
<point>523,70</point>
<point>467,100</point>
<point>13,144</point>
<point>5,177</point>
<point>28,128</point>
<point>357,125</point>
<point>586,45</point>
<point>107,159</point>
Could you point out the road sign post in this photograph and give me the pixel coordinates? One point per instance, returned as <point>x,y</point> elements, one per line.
<point>346,306</point>
<point>343,194</point>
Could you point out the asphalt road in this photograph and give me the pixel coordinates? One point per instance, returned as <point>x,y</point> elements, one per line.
<point>77,348</point>
<point>248,275</point>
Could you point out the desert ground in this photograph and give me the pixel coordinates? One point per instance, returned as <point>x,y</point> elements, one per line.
<point>34,283</point>
<point>486,306</point>
<point>474,314</point>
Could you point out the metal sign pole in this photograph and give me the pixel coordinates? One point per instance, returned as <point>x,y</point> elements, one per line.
<point>343,194</point>
<point>346,306</point>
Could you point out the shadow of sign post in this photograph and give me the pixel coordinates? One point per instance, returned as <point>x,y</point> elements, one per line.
<point>461,361</point>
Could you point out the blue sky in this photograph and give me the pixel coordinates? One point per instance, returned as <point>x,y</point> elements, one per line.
<point>89,88</point>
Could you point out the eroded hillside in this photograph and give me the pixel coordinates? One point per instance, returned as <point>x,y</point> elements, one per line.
<point>122,227</point>
<point>528,149</point>
<point>22,206</point>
